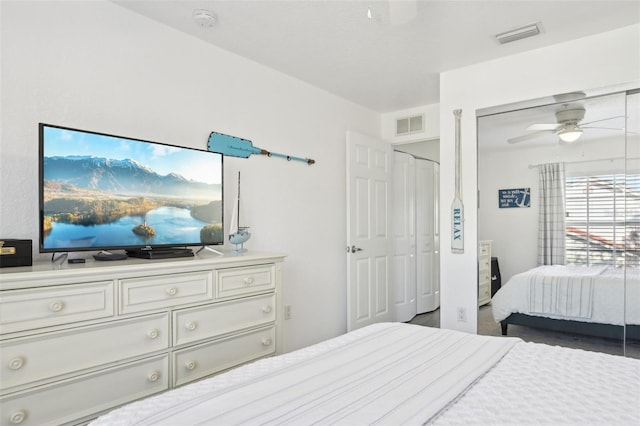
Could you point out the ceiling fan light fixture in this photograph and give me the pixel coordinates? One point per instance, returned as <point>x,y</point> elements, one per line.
<point>518,33</point>
<point>570,133</point>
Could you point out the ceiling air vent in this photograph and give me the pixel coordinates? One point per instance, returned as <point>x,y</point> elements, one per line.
<point>409,125</point>
<point>518,33</point>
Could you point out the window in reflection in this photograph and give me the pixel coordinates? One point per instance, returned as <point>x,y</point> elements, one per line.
<point>596,230</point>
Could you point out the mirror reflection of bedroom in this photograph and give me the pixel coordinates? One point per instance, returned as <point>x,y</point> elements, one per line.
<point>559,220</point>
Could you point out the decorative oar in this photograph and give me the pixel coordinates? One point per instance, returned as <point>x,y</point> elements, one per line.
<point>243,148</point>
<point>457,208</point>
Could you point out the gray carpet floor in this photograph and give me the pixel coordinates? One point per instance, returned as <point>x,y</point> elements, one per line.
<point>488,326</point>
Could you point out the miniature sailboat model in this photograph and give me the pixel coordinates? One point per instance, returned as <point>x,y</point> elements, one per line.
<point>238,235</point>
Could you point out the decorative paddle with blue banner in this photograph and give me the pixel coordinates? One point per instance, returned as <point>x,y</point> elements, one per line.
<point>243,148</point>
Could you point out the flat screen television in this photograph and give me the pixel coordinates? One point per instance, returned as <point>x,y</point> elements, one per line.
<point>101,192</point>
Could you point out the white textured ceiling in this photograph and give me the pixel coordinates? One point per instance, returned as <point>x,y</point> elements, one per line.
<point>383,66</point>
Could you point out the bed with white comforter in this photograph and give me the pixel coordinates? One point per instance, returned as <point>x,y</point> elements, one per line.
<point>595,294</point>
<point>395,373</point>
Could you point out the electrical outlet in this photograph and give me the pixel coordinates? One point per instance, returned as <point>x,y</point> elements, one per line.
<point>462,314</point>
<point>287,312</point>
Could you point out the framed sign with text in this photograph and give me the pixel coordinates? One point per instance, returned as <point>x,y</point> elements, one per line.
<point>514,198</point>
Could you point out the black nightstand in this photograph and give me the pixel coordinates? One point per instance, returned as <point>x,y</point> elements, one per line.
<point>496,279</point>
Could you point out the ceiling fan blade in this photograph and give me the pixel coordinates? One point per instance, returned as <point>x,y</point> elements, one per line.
<point>533,135</point>
<point>603,128</point>
<point>621,129</point>
<point>402,11</point>
<point>538,127</point>
<point>602,119</point>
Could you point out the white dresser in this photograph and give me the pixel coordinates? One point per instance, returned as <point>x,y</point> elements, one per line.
<point>484,272</point>
<point>77,340</point>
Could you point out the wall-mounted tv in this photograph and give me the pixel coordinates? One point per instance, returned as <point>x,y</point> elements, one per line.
<point>101,192</point>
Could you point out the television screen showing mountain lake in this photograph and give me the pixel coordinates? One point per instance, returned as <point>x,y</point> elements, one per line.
<point>172,225</point>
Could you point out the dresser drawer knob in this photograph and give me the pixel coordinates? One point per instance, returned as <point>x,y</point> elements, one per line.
<point>56,306</point>
<point>16,363</point>
<point>17,417</point>
<point>267,309</point>
<point>153,334</point>
<point>192,325</point>
<point>248,280</point>
<point>191,365</point>
<point>172,291</point>
<point>153,376</point>
<point>266,342</point>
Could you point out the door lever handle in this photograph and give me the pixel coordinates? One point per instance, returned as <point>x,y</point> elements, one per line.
<point>353,249</point>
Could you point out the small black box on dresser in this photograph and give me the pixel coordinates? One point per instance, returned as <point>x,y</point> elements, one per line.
<point>15,253</point>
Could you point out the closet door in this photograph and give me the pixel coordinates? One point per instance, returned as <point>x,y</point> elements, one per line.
<point>427,238</point>
<point>404,235</point>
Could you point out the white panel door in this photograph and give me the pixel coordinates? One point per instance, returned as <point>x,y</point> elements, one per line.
<point>428,258</point>
<point>404,235</point>
<point>369,243</point>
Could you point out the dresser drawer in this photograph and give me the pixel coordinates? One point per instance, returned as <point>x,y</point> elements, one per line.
<point>194,324</point>
<point>484,263</point>
<point>42,307</point>
<point>484,277</point>
<point>156,292</point>
<point>84,396</point>
<point>246,280</point>
<point>484,294</point>
<point>27,360</point>
<point>209,358</point>
<point>484,249</point>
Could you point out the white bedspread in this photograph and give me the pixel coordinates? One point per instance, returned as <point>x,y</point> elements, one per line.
<point>565,291</point>
<point>536,384</point>
<point>597,295</point>
<point>389,373</point>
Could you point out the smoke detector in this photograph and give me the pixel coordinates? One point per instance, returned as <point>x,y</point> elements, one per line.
<point>204,18</point>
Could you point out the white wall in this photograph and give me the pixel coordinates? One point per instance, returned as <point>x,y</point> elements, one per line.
<point>96,66</point>
<point>592,62</point>
<point>425,149</point>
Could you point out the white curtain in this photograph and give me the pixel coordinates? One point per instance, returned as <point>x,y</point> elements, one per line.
<point>551,219</point>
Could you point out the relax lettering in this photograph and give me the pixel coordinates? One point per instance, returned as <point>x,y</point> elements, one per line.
<point>457,231</point>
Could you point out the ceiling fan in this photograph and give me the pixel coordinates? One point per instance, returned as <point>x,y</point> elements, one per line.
<point>568,126</point>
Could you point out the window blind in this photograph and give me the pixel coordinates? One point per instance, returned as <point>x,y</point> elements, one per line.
<point>603,220</point>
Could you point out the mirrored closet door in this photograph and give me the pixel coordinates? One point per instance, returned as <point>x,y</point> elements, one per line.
<point>632,308</point>
<point>557,195</point>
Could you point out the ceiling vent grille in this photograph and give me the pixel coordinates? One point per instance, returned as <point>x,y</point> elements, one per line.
<point>518,33</point>
<point>409,125</point>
